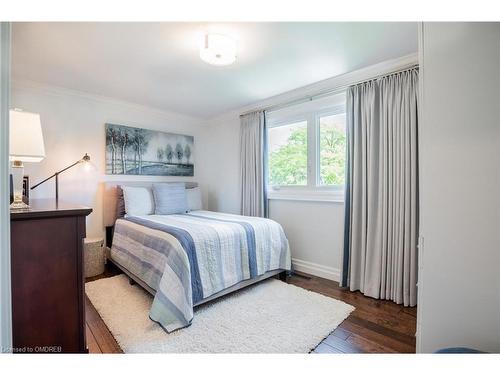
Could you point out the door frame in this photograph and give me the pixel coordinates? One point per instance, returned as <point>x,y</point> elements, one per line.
<point>5,281</point>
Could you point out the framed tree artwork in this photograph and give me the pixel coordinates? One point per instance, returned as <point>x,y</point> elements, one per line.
<point>137,151</point>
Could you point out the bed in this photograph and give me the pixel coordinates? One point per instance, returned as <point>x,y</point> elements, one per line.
<point>187,259</point>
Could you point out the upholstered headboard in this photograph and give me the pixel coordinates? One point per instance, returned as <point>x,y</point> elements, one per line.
<point>110,197</point>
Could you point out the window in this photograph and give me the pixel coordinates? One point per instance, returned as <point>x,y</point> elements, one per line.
<point>307,150</point>
<point>332,149</point>
<point>287,147</point>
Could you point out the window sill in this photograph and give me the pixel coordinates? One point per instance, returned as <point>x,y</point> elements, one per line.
<point>307,196</point>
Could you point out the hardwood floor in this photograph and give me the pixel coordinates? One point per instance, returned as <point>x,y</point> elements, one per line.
<point>374,327</point>
<point>99,339</point>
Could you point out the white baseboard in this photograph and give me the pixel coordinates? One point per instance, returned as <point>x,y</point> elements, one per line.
<point>316,269</point>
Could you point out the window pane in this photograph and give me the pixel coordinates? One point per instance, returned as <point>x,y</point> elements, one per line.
<point>288,154</point>
<point>332,149</point>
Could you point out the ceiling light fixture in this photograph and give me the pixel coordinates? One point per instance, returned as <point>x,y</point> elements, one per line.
<point>218,49</point>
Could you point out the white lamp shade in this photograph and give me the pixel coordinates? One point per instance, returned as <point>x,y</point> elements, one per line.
<point>26,139</point>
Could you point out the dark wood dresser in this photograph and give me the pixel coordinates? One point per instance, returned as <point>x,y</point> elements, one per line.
<point>48,305</point>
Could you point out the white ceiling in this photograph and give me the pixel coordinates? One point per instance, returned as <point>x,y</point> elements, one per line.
<point>157,64</point>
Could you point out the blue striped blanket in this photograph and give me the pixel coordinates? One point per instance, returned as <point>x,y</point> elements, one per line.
<point>189,257</point>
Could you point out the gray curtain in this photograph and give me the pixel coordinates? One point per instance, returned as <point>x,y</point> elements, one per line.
<point>253,169</point>
<point>380,244</point>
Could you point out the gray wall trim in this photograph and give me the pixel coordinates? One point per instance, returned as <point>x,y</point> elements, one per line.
<point>5,287</point>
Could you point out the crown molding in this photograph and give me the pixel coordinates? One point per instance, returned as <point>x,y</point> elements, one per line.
<point>332,83</point>
<point>25,84</point>
<point>342,80</point>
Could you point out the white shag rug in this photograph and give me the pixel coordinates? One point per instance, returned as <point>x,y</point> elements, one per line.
<point>270,317</point>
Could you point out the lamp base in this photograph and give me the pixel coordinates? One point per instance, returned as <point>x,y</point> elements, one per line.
<point>19,206</point>
<point>17,181</point>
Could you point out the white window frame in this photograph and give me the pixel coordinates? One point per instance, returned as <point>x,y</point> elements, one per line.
<point>329,112</point>
<point>313,191</point>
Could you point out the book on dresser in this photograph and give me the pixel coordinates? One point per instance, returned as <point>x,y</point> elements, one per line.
<point>48,305</point>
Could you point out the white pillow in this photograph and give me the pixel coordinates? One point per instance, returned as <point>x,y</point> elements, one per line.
<point>194,199</point>
<point>138,200</point>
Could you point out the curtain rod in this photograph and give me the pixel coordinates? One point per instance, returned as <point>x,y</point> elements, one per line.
<point>327,92</point>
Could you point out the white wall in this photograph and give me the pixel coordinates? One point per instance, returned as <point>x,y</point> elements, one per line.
<point>459,280</point>
<point>73,124</point>
<point>316,234</point>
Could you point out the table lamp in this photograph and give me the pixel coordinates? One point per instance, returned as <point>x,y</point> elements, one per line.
<point>25,145</point>
<point>84,159</point>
